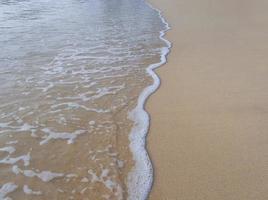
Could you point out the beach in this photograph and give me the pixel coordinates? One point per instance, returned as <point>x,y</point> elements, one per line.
<point>209,119</point>
<point>76,80</point>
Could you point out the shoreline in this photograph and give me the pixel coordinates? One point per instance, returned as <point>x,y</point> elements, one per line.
<point>207,137</point>
<point>140,178</point>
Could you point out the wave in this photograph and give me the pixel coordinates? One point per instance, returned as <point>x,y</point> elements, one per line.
<point>140,179</point>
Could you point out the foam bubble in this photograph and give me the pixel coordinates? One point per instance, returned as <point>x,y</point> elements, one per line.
<point>15,169</point>
<point>26,127</point>
<point>107,181</point>
<point>4,125</point>
<point>71,175</point>
<point>45,176</point>
<point>141,177</point>
<point>92,123</point>
<point>70,137</point>
<point>6,189</point>
<point>12,142</point>
<point>29,191</point>
<point>9,160</point>
<point>8,149</point>
<point>84,180</point>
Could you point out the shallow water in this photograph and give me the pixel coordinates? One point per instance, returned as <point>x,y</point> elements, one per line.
<point>70,72</point>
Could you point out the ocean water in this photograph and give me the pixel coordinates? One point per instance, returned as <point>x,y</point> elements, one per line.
<point>74,75</point>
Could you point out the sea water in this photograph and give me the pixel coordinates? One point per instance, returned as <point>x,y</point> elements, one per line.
<point>74,77</point>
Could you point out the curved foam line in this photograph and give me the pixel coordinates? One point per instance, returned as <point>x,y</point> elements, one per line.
<point>140,179</point>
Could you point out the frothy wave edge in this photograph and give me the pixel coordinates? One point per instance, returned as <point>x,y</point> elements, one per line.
<point>140,179</point>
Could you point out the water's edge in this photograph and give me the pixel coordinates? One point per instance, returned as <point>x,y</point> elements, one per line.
<point>140,179</point>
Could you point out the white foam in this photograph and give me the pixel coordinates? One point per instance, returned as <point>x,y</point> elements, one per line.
<point>16,170</point>
<point>94,176</point>
<point>8,149</point>
<point>26,127</point>
<point>72,105</point>
<point>70,137</point>
<point>29,191</point>
<point>49,86</point>
<point>4,125</point>
<point>60,190</point>
<point>106,180</point>
<point>83,190</point>
<point>23,127</point>
<point>106,91</point>
<point>12,142</point>
<point>84,180</point>
<point>45,176</point>
<point>55,70</point>
<point>90,95</point>
<point>8,160</point>
<point>141,177</point>
<point>92,123</point>
<point>6,189</point>
<point>71,175</point>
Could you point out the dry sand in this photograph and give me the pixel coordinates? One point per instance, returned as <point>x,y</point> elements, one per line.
<point>209,127</point>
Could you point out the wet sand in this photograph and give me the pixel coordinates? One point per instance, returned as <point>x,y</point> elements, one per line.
<point>209,119</point>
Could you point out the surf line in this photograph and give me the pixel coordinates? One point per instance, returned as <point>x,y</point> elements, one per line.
<point>140,178</point>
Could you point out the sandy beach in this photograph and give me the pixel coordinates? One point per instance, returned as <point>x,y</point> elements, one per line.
<point>209,120</point>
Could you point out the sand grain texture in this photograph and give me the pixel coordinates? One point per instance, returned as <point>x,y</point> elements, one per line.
<point>209,119</point>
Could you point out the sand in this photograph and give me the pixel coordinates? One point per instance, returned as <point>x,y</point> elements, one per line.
<point>209,120</point>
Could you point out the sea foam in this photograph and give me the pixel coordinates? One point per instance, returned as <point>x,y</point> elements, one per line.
<point>6,189</point>
<point>140,179</point>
